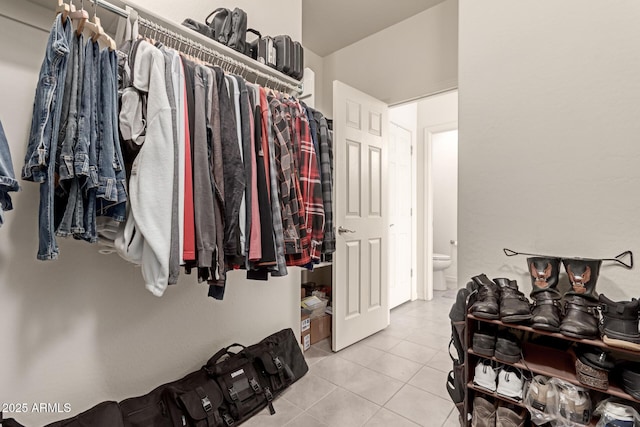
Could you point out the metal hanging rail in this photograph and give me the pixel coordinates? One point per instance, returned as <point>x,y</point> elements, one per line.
<point>193,43</point>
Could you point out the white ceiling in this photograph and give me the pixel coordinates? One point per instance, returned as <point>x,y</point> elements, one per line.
<point>330,25</point>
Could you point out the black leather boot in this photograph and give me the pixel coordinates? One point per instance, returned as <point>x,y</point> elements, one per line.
<point>514,306</point>
<point>581,302</point>
<point>487,304</point>
<point>546,307</point>
<point>619,323</point>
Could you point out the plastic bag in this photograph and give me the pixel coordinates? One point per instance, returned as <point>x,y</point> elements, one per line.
<point>541,399</point>
<point>574,404</point>
<point>614,413</point>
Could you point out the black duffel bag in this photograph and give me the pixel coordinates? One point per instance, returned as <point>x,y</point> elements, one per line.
<point>194,400</point>
<point>253,377</point>
<point>105,414</point>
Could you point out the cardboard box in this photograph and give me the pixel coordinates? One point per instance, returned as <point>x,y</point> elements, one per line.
<point>305,330</point>
<point>320,328</point>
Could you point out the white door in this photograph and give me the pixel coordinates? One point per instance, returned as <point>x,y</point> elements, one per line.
<point>400,210</point>
<point>360,293</point>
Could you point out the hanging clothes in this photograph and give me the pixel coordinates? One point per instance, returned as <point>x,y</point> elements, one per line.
<point>198,168</point>
<point>146,237</point>
<point>8,181</point>
<point>40,159</point>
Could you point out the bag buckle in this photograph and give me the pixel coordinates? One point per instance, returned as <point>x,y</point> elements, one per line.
<point>268,394</point>
<point>227,419</point>
<point>206,404</point>
<point>254,385</point>
<point>278,363</point>
<point>233,394</point>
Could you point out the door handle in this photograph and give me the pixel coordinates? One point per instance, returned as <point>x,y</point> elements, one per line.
<point>341,230</point>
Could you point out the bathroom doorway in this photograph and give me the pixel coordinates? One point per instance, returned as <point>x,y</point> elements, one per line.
<point>426,205</point>
<point>438,126</point>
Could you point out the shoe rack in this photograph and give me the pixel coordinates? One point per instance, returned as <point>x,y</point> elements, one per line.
<point>541,360</point>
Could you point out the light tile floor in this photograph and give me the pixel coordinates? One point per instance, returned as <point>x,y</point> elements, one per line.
<point>395,378</point>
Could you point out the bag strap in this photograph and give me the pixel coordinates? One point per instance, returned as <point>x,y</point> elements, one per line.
<point>223,352</point>
<point>218,10</point>
<point>213,419</point>
<point>256,32</point>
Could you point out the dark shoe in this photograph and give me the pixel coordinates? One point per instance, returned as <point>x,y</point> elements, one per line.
<point>510,416</point>
<point>507,347</point>
<point>583,275</point>
<point>620,323</point>
<point>593,365</point>
<point>484,413</point>
<point>514,306</point>
<point>580,319</point>
<point>487,304</point>
<point>580,303</point>
<point>631,379</point>
<point>484,343</point>
<point>546,310</point>
<point>544,273</point>
<point>546,307</point>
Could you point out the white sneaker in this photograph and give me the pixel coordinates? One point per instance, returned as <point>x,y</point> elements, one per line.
<point>485,375</point>
<point>510,383</point>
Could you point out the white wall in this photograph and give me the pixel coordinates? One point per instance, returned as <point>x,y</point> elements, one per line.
<point>316,63</point>
<point>549,153</point>
<point>414,58</point>
<point>83,329</point>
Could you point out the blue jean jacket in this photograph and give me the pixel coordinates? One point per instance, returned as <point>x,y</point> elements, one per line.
<point>40,159</point>
<point>7,176</point>
<point>43,137</point>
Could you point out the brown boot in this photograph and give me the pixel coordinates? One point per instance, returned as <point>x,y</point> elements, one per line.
<point>484,413</point>
<point>510,416</point>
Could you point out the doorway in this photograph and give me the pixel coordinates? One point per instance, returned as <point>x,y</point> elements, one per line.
<point>432,123</point>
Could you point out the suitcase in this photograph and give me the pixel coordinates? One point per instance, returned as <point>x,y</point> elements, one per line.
<point>284,49</point>
<point>267,51</point>
<point>252,46</point>
<point>297,71</point>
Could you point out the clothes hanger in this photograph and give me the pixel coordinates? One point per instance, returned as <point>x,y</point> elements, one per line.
<point>80,16</point>
<point>617,259</point>
<point>91,25</point>
<point>64,9</point>
<point>97,31</point>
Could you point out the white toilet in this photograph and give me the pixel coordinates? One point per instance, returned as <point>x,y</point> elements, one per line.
<point>440,263</point>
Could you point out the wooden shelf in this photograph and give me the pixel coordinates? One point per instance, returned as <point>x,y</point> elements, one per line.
<point>551,362</point>
<point>596,343</point>
<point>493,394</point>
<point>322,264</point>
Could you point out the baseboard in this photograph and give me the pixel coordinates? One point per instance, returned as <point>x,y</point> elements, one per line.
<point>452,282</point>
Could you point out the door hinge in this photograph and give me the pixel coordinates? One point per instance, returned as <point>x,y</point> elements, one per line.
<point>412,272</point>
<point>411,212</point>
<point>411,150</point>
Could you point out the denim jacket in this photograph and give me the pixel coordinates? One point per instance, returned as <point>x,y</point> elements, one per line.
<point>7,176</point>
<point>44,126</point>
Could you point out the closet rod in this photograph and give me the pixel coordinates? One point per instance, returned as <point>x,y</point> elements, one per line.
<point>201,51</point>
<point>111,8</point>
<point>197,48</point>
